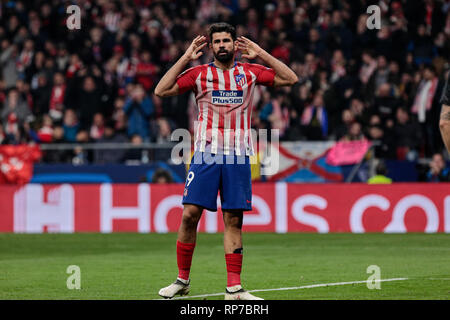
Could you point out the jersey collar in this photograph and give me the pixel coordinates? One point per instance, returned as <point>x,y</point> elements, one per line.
<point>213,65</point>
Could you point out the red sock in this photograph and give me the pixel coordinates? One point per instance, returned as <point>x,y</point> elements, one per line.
<point>234,267</point>
<point>184,259</point>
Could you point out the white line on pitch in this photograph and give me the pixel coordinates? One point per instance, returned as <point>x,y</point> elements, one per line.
<point>295,288</point>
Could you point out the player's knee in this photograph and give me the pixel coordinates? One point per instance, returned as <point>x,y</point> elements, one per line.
<point>191,218</point>
<point>234,222</point>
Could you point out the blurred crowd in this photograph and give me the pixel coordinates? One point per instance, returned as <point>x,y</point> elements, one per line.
<point>96,84</point>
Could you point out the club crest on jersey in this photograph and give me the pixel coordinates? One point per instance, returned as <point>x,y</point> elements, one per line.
<point>240,79</point>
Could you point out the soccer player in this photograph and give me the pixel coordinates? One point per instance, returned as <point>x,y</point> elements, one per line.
<point>224,92</point>
<point>444,122</point>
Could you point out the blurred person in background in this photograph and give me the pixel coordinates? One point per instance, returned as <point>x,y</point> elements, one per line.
<point>58,156</point>
<point>71,126</point>
<point>380,176</point>
<point>385,103</point>
<point>162,176</point>
<point>275,114</point>
<point>146,71</point>
<point>139,108</point>
<point>347,118</point>
<point>57,95</point>
<point>87,101</point>
<point>97,128</point>
<point>45,132</point>
<point>314,119</point>
<point>354,133</point>
<point>113,155</point>
<point>408,136</point>
<point>41,95</point>
<point>426,107</point>
<point>8,56</point>
<point>134,155</point>
<point>438,170</point>
<point>15,112</point>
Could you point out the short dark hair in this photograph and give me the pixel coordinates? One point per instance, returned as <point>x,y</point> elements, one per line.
<point>381,168</point>
<point>222,27</point>
<point>162,173</point>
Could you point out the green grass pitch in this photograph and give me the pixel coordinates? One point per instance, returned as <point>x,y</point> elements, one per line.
<point>136,266</point>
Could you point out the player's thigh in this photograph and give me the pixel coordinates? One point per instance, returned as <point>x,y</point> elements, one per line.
<point>236,187</point>
<point>202,184</point>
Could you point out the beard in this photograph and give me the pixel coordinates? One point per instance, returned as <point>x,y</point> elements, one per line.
<point>224,58</point>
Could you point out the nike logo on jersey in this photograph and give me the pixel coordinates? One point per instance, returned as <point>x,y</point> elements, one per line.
<point>227,97</point>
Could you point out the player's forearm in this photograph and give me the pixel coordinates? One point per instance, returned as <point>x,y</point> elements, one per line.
<point>444,125</point>
<point>168,81</point>
<point>282,70</point>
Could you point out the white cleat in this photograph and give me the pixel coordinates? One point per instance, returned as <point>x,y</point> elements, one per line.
<point>239,294</point>
<point>176,288</point>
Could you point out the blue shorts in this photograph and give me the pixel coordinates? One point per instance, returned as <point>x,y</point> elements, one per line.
<point>210,174</point>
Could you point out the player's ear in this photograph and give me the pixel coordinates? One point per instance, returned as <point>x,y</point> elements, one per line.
<point>235,46</point>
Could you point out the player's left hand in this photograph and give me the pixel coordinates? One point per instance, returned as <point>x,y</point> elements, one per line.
<point>250,50</point>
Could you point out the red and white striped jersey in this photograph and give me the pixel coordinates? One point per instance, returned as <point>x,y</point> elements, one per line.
<point>224,100</point>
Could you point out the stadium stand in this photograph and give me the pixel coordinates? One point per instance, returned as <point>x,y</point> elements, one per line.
<point>95,85</point>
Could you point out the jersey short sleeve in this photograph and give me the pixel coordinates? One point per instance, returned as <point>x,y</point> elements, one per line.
<point>186,80</point>
<point>264,76</point>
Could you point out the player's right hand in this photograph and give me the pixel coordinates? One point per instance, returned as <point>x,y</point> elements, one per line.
<point>193,52</point>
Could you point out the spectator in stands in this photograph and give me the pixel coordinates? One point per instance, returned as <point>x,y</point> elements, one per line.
<point>426,106</point>
<point>425,95</point>
<point>45,132</point>
<point>139,108</point>
<point>3,136</point>
<point>71,126</point>
<point>58,156</point>
<point>384,144</point>
<point>379,76</point>
<point>146,71</point>
<point>380,176</point>
<point>327,43</point>
<point>164,131</point>
<point>354,133</point>
<point>25,57</point>
<point>135,154</point>
<point>98,127</point>
<point>438,172</point>
<point>15,112</point>
<point>88,101</point>
<point>113,155</point>
<point>407,134</point>
<point>162,176</point>
<point>314,119</point>
<point>41,95</point>
<point>275,113</point>
<point>422,46</point>
<point>385,103</point>
<point>81,156</point>
<point>8,57</point>
<point>347,118</point>
<point>57,95</point>
<point>368,66</point>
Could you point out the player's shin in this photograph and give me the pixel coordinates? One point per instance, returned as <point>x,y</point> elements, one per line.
<point>184,259</point>
<point>234,267</point>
